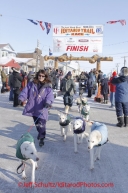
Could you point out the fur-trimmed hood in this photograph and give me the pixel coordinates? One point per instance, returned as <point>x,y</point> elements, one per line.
<point>124,71</point>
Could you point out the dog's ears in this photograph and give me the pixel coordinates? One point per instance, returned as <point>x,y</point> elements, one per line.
<point>79,121</point>
<point>59,114</point>
<point>72,122</point>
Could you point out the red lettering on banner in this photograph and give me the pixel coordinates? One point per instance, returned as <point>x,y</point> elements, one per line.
<point>68,47</point>
<point>86,48</point>
<point>77,48</point>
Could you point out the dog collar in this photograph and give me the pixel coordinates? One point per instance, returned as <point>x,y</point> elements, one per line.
<point>65,123</point>
<point>103,143</point>
<point>78,131</point>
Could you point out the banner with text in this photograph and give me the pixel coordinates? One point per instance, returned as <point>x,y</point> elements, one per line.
<point>80,30</point>
<point>78,44</point>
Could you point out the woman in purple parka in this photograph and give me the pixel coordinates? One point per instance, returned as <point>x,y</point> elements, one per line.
<point>40,97</point>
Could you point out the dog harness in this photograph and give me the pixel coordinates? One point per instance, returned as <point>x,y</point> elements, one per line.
<point>65,123</point>
<point>103,130</point>
<point>81,129</point>
<point>25,137</point>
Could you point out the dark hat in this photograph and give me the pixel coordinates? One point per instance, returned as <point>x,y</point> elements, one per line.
<point>69,73</point>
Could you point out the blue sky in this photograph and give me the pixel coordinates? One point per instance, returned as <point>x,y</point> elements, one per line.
<point>22,34</point>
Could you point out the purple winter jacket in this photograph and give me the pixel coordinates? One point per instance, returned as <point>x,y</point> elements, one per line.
<point>36,100</point>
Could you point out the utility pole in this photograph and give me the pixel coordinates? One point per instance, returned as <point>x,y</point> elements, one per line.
<point>124,60</point>
<point>38,56</point>
<point>117,65</point>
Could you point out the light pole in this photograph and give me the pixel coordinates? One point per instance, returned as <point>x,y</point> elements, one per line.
<point>117,65</point>
<point>124,60</point>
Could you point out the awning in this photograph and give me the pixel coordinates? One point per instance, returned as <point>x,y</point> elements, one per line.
<point>11,63</point>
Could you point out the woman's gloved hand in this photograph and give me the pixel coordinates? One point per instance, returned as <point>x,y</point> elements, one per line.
<point>19,102</point>
<point>47,105</point>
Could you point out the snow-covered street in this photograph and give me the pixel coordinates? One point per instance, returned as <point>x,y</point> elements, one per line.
<point>58,162</point>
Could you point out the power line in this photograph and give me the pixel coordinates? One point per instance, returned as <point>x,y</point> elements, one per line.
<point>116,43</point>
<point>118,53</point>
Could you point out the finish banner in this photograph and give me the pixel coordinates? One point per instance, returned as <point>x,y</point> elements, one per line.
<point>78,44</point>
<point>80,30</point>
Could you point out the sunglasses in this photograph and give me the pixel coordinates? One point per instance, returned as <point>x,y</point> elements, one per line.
<point>41,76</point>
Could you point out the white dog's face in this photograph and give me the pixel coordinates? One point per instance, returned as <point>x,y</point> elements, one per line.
<point>78,123</point>
<point>93,139</point>
<point>63,117</point>
<point>29,151</point>
<point>84,99</point>
<point>78,101</point>
<point>86,108</point>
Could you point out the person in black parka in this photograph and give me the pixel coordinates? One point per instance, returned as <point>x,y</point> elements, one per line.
<point>105,88</point>
<point>121,97</point>
<point>90,84</point>
<point>16,84</point>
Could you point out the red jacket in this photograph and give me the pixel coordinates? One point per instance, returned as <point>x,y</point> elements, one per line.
<point>112,87</point>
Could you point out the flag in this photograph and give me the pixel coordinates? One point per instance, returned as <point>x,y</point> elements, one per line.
<point>111,22</point>
<point>48,26</point>
<point>31,20</point>
<point>50,52</point>
<point>41,25</point>
<point>123,22</point>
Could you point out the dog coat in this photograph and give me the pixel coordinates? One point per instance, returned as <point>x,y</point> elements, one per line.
<point>25,137</point>
<point>103,130</point>
<point>84,113</point>
<point>65,123</point>
<point>82,129</point>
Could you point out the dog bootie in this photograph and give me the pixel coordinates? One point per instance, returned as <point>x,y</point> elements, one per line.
<point>126,121</point>
<point>41,142</point>
<point>120,122</point>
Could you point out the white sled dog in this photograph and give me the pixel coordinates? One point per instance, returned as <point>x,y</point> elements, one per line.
<point>79,126</point>
<point>97,138</point>
<point>80,102</point>
<point>85,112</point>
<point>65,124</point>
<point>26,151</point>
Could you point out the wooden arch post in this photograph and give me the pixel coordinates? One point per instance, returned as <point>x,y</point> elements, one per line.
<point>98,66</point>
<point>56,63</point>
